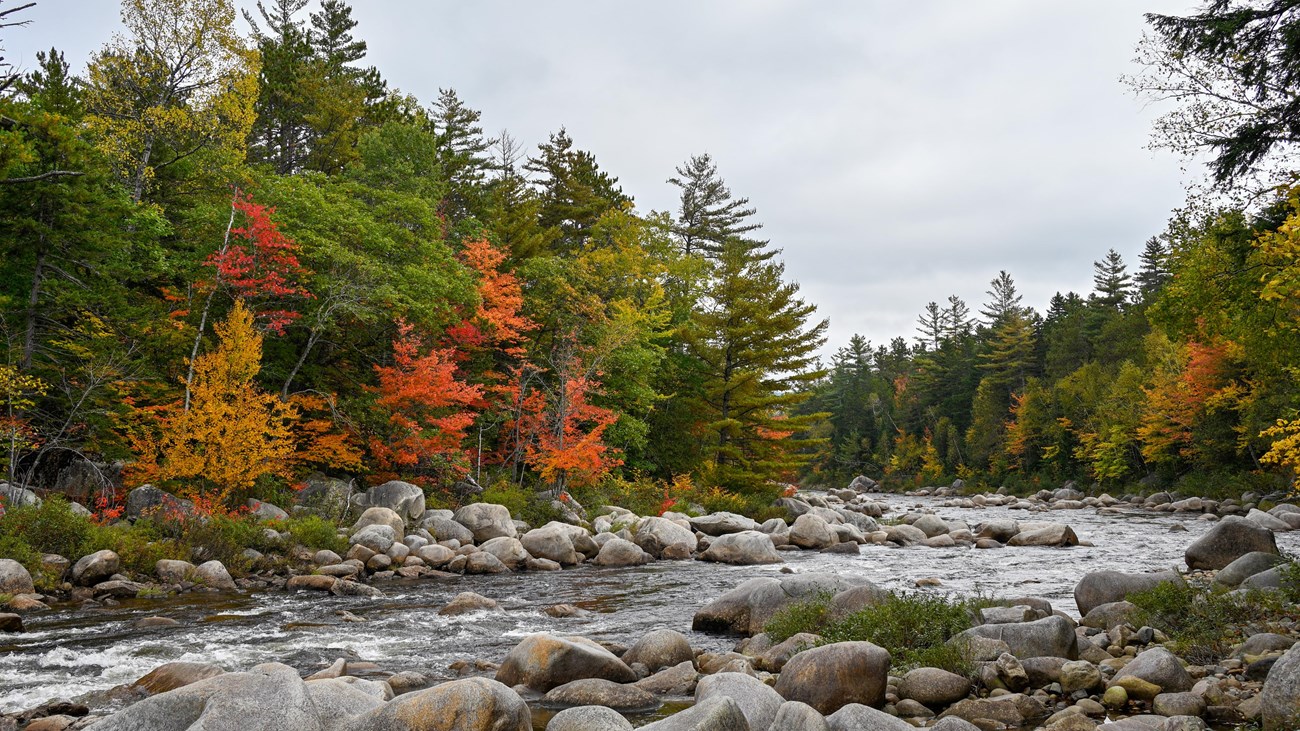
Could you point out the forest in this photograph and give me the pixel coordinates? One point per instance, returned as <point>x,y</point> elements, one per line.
<point>233,256</point>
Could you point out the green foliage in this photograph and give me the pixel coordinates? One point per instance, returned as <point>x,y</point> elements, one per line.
<point>1203,623</point>
<point>915,628</point>
<point>315,532</point>
<point>51,527</point>
<point>530,506</point>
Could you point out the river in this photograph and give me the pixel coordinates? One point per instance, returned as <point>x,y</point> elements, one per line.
<point>80,653</point>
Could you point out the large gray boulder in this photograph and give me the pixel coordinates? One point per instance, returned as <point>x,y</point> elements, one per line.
<point>486,521</point>
<point>325,495</point>
<point>545,661</point>
<point>746,608</point>
<point>338,700</point>
<point>796,716</point>
<point>380,515</point>
<point>403,498</point>
<point>1049,637</point>
<point>654,534</point>
<point>94,568</point>
<point>269,697</point>
<point>718,524</point>
<point>213,574</point>
<point>17,497</point>
<point>588,718</point>
<point>658,649</point>
<point>757,700</point>
<point>1245,567</point>
<point>1279,708</point>
<point>377,538</point>
<point>147,500</point>
<point>1228,540</point>
<point>471,704</point>
<point>715,714</point>
<point>14,578</point>
<point>618,552</point>
<point>1159,667</point>
<point>812,531</point>
<point>445,529</point>
<point>599,692</point>
<point>931,525</point>
<point>508,550</point>
<point>1103,587</point>
<point>857,717</point>
<point>553,541</point>
<point>831,676</point>
<point>679,680</point>
<point>1051,534</point>
<point>744,548</point>
<point>934,687</point>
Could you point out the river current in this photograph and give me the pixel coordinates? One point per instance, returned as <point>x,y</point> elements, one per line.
<point>81,653</point>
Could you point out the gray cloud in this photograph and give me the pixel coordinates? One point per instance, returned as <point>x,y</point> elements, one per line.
<point>897,152</point>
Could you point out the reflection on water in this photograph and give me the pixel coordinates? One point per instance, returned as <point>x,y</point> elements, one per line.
<point>72,653</point>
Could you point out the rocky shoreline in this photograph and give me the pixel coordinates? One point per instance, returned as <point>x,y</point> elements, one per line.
<point>1029,661</point>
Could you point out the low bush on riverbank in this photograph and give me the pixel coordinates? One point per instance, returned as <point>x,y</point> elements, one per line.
<point>915,628</point>
<point>1204,623</point>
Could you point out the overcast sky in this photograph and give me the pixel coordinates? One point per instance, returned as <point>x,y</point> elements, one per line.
<point>898,152</point>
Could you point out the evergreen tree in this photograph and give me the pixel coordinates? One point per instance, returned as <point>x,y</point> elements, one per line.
<point>708,217</point>
<point>1005,301</point>
<point>281,134</point>
<point>933,325</point>
<point>51,87</point>
<point>1112,282</point>
<point>575,192</point>
<point>331,35</point>
<point>462,154</point>
<point>1155,269</point>
<point>756,346</point>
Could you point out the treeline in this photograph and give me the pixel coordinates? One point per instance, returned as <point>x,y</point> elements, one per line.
<point>228,260</point>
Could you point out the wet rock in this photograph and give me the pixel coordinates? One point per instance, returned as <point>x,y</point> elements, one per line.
<point>1159,667</point>
<point>742,548</point>
<point>719,524</point>
<point>313,582</point>
<point>1054,534</point>
<point>1049,637</point>
<point>403,498</point>
<point>746,608</point>
<point>486,521</point>
<point>934,687</point>
<point>471,704</point>
<point>679,679</point>
<point>10,622</point>
<point>618,552</point>
<point>856,717</point>
<point>655,535</point>
<point>598,692</point>
<point>831,676</point>
<point>95,568</point>
<point>552,541</point>
<point>1280,697</point>
<point>545,661</point>
<point>1245,567</point>
<point>931,525</point>
<point>905,535</point>
<point>715,714</point>
<point>468,601</point>
<point>1135,687</point>
<point>1000,530</point>
<point>1111,614</point>
<point>588,718</point>
<point>758,702</point>
<point>173,675</point>
<point>509,551</point>
<point>14,578</point>
<point>1229,539</point>
<point>1103,587</point>
<point>660,649</point>
<point>377,538</point>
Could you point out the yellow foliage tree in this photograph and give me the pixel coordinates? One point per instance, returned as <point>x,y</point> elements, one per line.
<point>234,432</point>
<point>183,82</point>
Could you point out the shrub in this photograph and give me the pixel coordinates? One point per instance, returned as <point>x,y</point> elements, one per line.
<point>138,550</point>
<point>1203,624</point>
<point>316,533</point>
<point>534,508</point>
<point>51,527</point>
<point>914,628</point>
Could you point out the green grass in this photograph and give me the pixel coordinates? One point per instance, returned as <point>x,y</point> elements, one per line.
<point>915,628</point>
<point>315,533</point>
<point>1202,623</point>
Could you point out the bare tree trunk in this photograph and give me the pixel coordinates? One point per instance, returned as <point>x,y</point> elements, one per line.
<point>33,299</point>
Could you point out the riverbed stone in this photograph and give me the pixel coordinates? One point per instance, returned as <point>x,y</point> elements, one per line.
<point>831,676</point>
<point>747,607</point>
<point>10,622</point>
<point>434,555</point>
<point>313,582</point>
<point>1245,567</point>
<point>545,661</point>
<point>1014,709</point>
<point>743,548</point>
<point>679,679</point>
<point>508,550</point>
<point>445,529</point>
<point>905,535</point>
<point>857,717</point>
<point>655,535</point>
<point>468,601</point>
<point>1110,614</point>
<point>1053,534</point>
<point>1103,587</point>
<point>14,578</point>
<point>1160,667</point>
<point>1226,541</point>
<point>722,523</point>
<point>715,714</point>
<point>213,574</point>
<point>931,525</point>
<point>757,701</point>
<point>1079,675</point>
<point>796,716</point>
<point>173,675</point>
<point>552,541</point>
<point>470,704</point>
<point>486,521</point>
<point>588,718</point>
<point>812,532</point>
<point>1048,637</point>
<point>95,568</point>
<point>376,537</point>
<point>952,723</point>
<point>268,697</point>
<point>403,498</point>
<point>618,552</point>
<point>1280,697</point>
<point>659,649</point>
<point>934,687</point>
<point>380,515</point>
<point>599,692</point>
<point>774,658</point>
<point>1178,704</point>
<point>1265,520</point>
<point>481,562</point>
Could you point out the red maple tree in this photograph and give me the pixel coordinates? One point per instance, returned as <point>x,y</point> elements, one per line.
<point>260,264</point>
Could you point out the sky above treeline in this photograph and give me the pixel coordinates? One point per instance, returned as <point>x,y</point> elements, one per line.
<point>896,152</point>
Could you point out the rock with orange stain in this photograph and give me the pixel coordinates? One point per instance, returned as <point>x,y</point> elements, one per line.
<point>472,704</point>
<point>545,661</point>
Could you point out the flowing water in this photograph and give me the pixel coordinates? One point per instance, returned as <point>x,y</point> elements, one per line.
<point>80,653</point>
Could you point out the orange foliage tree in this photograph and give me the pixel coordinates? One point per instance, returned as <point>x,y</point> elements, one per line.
<point>1184,388</point>
<point>233,433</point>
<point>426,411</point>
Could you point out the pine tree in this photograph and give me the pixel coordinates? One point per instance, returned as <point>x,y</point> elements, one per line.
<point>708,217</point>
<point>331,35</point>
<point>462,154</point>
<point>756,345</point>
<point>1005,301</point>
<point>575,192</point>
<point>931,324</point>
<point>51,87</point>
<point>1154,273</point>
<point>1113,284</point>
<point>281,135</point>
